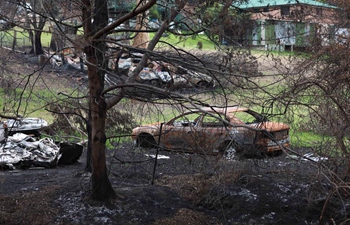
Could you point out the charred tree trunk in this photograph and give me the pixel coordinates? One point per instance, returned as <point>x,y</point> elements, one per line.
<point>37,48</point>
<point>95,30</point>
<point>101,186</point>
<point>97,63</point>
<point>35,26</point>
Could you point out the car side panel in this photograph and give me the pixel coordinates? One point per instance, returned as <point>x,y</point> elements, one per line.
<point>176,137</point>
<point>211,138</point>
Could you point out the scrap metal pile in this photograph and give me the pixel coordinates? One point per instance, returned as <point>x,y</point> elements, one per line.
<point>22,150</point>
<point>21,146</point>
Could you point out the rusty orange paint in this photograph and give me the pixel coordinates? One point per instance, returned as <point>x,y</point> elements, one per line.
<point>213,131</point>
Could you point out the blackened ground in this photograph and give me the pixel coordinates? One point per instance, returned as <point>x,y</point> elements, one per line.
<point>187,189</point>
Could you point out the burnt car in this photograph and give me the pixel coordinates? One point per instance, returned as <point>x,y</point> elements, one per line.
<point>22,147</point>
<point>214,130</point>
<point>190,78</point>
<point>154,73</point>
<point>163,74</point>
<point>30,126</point>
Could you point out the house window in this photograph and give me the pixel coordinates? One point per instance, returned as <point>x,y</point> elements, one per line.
<point>285,10</point>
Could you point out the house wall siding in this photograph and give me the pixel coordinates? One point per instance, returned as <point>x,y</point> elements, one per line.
<point>303,26</point>
<point>298,13</point>
<point>298,25</point>
<point>287,33</point>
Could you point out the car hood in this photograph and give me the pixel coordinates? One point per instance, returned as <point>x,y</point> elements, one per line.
<point>270,126</point>
<point>26,124</point>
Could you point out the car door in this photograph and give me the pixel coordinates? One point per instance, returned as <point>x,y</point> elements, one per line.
<point>212,132</point>
<point>180,133</point>
<point>242,133</point>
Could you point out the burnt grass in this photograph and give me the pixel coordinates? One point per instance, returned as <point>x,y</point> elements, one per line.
<point>178,188</point>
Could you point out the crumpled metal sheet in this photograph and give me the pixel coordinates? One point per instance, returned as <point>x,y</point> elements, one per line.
<point>26,150</point>
<point>25,124</point>
<point>151,74</point>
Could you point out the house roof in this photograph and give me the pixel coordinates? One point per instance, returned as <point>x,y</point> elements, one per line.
<point>265,3</point>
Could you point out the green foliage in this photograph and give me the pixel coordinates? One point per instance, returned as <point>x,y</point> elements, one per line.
<point>26,103</point>
<point>154,12</point>
<point>72,127</point>
<point>221,20</point>
<point>305,139</point>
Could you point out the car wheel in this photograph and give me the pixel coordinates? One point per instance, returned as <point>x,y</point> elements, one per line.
<point>230,153</point>
<point>146,141</point>
<point>202,84</point>
<point>155,83</point>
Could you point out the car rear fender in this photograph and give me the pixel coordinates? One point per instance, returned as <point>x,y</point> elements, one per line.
<point>145,140</point>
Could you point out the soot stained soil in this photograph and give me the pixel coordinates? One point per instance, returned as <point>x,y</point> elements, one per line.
<point>187,189</point>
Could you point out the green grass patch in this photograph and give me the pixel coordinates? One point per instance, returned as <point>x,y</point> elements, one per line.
<point>185,42</point>
<point>28,103</point>
<point>305,139</point>
<point>22,38</point>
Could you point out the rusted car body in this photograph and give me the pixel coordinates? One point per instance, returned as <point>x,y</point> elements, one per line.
<point>189,78</point>
<point>163,74</point>
<point>213,130</point>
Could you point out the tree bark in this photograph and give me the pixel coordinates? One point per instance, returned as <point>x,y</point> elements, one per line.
<point>141,38</point>
<point>37,48</point>
<point>88,166</point>
<point>35,25</point>
<point>101,186</point>
<point>97,63</point>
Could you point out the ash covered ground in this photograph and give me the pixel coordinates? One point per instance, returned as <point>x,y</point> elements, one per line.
<point>186,189</point>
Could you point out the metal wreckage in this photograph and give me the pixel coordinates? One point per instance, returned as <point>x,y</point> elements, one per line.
<point>21,146</point>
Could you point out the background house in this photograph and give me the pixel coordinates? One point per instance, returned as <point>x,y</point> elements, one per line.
<point>289,24</point>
